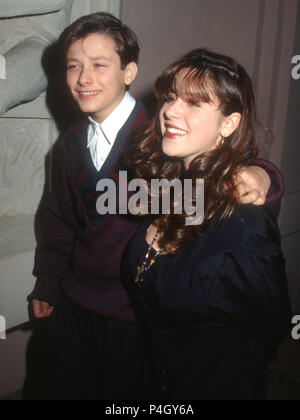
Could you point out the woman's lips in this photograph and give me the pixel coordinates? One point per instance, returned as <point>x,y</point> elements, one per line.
<point>172,132</point>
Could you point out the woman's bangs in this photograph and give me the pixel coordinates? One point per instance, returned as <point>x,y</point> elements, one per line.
<point>194,86</point>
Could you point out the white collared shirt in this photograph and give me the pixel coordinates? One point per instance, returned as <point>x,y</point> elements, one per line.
<point>101,137</point>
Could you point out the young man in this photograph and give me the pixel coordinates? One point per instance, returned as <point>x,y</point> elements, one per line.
<point>91,344</point>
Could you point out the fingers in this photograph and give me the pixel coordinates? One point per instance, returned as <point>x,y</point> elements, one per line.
<point>49,311</point>
<point>252,197</point>
<point>250,188</point>
<point>260,201</point>
<point>41,309</point>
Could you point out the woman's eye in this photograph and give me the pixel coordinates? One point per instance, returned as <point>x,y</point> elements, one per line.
<point>195,104</point>
<point>170,98</point>
<point>98,65</point>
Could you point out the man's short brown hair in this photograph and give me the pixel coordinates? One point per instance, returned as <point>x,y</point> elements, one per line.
<point>126,41</point>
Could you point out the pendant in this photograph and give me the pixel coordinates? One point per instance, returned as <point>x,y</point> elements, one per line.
<point>138,274</point>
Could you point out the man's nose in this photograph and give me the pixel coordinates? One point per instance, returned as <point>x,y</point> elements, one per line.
<point>85,77</point>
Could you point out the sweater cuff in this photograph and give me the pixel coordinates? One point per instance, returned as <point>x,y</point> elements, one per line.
<point>46,289</point>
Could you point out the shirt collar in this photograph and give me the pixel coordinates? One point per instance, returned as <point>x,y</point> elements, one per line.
<point>115,121</point>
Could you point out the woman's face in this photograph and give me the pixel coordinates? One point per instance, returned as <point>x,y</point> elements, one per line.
<point>190,129</point>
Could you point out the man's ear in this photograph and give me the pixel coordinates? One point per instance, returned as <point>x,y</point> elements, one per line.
<point>230,124</point>
<point>130,73</point>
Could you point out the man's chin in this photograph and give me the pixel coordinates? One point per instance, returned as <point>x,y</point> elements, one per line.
<point>87,108</point>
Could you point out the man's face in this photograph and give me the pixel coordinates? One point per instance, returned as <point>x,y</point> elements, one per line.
<point>95,77</point>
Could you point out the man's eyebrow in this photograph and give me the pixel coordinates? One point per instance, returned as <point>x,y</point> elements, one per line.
<point>72,59</point>
<point>91,58</point>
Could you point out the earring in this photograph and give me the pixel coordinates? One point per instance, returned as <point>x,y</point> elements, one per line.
<point>223,141</point>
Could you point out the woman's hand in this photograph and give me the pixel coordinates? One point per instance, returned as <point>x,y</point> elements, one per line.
<point>253,184</point>
<point>41,309</point>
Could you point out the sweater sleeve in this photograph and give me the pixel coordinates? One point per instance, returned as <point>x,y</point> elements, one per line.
<point>276,191</point>
<point>55,234</point>
<point>250,290</point>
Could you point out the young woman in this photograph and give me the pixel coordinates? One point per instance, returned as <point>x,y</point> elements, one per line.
<point>212,296</point>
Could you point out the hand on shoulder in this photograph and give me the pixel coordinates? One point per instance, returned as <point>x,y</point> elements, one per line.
<point>253,184</point>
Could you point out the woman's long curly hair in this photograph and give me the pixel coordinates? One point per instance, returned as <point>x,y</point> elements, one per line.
<point>199,76</point>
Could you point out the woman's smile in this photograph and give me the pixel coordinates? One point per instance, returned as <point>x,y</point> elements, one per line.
<point>173,132</point>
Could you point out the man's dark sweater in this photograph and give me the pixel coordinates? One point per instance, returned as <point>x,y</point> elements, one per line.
<point>79,251</point>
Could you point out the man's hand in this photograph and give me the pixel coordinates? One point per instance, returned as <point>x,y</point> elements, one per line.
<point>253,184</point>
<point>41,309</point>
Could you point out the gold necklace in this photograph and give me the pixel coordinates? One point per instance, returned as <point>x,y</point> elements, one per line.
<point>145,266</point>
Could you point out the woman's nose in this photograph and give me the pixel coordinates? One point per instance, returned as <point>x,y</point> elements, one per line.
<point>173,109</point>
